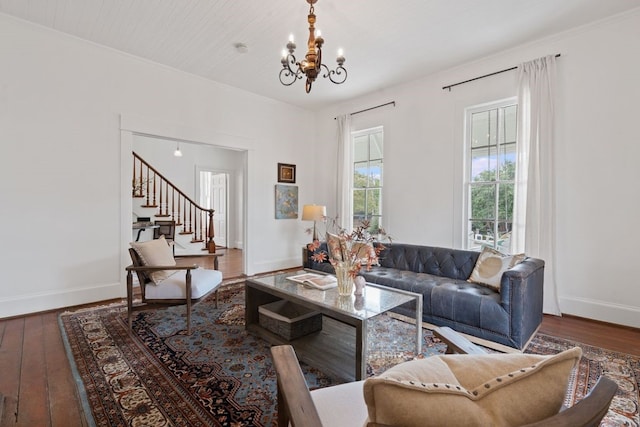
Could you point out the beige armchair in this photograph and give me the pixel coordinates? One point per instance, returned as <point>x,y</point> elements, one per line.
<point>163,283</point>
<point>345,405</point>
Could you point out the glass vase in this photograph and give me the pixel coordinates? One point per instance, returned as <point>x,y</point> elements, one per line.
<point>345,280</point>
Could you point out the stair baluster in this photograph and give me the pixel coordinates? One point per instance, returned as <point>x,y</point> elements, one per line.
<point>188,214</point>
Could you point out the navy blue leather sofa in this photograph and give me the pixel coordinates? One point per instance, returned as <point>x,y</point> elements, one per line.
<point>508,317</point>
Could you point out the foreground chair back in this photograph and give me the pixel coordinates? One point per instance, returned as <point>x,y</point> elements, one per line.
<point>188,286</point>
<point>299,407</point>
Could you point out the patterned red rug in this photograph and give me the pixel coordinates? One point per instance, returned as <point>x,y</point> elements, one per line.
<point>222,376</point>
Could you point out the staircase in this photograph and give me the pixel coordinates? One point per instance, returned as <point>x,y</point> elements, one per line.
<point>156,197</point>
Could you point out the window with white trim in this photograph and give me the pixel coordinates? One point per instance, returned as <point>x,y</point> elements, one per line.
<point>367,177</point>
<point>491,138</point>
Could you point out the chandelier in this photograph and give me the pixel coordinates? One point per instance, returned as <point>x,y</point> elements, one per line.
<point>311,65</point>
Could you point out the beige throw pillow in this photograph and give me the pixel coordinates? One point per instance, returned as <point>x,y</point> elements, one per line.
<point>365,252</point>
<point>471,390</point>
<point>335,244</point>
<point>156,252</point>
<point>490,266</point>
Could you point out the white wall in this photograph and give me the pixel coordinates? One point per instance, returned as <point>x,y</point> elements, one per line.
<point>68,110</point>
<point>597,153</point>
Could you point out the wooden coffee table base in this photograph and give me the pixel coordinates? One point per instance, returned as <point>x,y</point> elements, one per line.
<point>339,349</point>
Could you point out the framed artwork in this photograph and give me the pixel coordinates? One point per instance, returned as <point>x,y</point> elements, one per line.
<point>286,201</point>
<point>286,173</point>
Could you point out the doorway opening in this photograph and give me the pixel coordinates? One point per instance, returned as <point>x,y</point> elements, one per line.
<point>225,170</point>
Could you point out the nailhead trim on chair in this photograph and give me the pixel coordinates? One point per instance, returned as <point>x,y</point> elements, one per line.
<point>478,392</point>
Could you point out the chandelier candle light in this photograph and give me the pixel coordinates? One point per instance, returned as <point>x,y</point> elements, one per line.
<point>312,64</point>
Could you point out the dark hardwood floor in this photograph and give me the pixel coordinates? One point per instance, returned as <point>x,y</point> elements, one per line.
<point>39,389</point>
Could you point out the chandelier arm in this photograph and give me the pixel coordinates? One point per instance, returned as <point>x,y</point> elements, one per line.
<point>338,73</point>
<point>288,77</point>
<point>289,62</point>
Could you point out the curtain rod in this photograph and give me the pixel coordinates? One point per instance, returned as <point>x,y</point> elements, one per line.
<point>482,77</point>
<point>372,108</point>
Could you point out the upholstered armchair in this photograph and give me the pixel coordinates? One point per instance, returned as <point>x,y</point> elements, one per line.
<point>460,389</point>
<point>162,282</point>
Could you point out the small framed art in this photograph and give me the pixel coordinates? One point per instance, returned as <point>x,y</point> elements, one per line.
<point>286,173</point>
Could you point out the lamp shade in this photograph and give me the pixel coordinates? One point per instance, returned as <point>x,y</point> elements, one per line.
<point>313,212</point>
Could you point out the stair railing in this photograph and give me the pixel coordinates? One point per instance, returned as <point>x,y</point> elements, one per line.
<point>172,203</point>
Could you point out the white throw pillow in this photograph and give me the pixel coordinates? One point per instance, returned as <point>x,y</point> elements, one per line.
<point>156,253</point>
<point>490,266</point>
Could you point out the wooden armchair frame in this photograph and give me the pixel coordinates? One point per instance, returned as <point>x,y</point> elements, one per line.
<point>143,272</point>
<point>296,406</point>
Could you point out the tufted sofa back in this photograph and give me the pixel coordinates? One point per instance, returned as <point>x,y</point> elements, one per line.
<point>445,262</point>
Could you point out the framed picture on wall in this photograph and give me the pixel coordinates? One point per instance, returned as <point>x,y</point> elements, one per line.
<point>286,173</point>
<point>286,201</point>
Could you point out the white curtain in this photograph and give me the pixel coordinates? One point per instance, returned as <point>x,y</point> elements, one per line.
<point>343,187</point>
<point>534,230</point>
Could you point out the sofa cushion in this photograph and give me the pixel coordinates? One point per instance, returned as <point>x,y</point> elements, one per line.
<point>156,252</point>
<point>490,266</point>
<point>451,263</point>
<point>458,304</point>
<point>471,390</point>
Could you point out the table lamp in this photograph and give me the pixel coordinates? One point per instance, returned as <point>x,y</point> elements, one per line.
<point>314,213</point>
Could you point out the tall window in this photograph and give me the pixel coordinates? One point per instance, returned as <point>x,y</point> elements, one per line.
<point>491,148</point>
<point>367,177</point>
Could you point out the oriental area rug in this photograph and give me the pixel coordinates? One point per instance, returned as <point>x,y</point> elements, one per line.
<point>156,375</point>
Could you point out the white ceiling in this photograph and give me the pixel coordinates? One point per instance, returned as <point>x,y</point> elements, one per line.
<point>385,42</point>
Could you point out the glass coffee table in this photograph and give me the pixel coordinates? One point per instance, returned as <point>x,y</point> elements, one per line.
<point>341,345</point>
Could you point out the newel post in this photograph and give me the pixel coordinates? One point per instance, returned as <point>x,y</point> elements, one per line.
<point>211,245</point>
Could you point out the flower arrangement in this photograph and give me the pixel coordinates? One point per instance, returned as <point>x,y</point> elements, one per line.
<point>351,250</point>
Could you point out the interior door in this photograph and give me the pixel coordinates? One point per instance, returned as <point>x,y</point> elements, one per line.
<point>219,199</point>
<point>213,195</point>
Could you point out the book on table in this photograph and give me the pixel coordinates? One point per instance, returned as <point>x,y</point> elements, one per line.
<point>318,281</point>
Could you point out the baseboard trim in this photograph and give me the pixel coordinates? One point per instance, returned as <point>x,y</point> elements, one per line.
<point>46,301</point>
<point>274,266</point>
<point>603,311</point>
